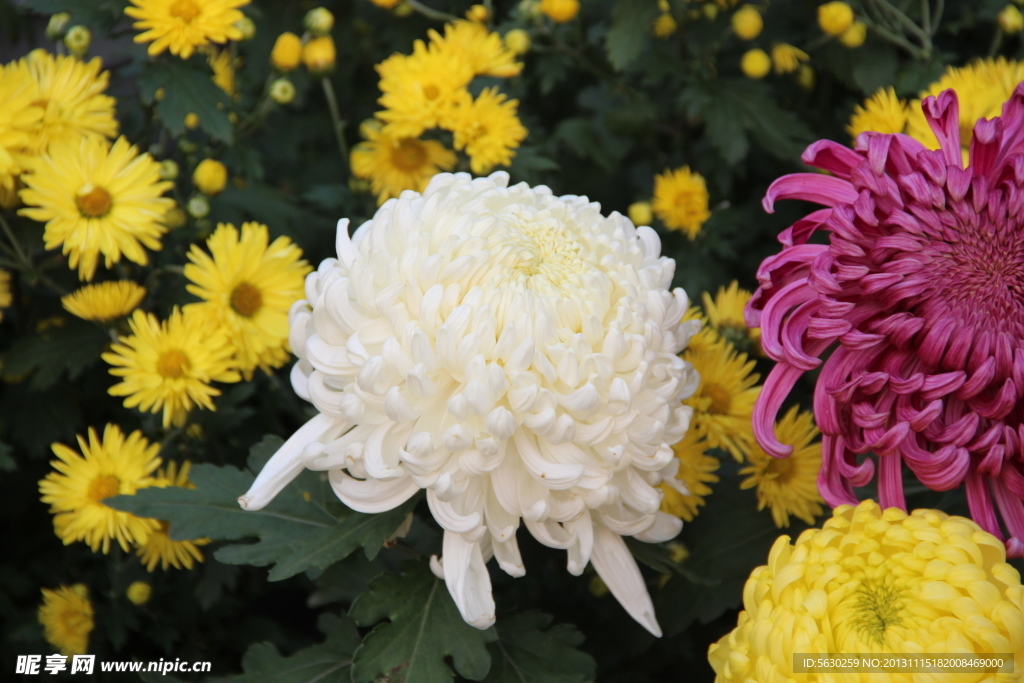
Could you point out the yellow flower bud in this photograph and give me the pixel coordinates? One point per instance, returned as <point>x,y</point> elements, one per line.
<point>198,206</point>
<point>855,35</point>
<point>319,21</point>
<point>138,593</point>
<point>168,169</point>
<point>175,218</point>
<point>529,9</point>
<point>77,40</point>
<point>282,91</point>
<point>80,589</point>
<point>747,22</point>
<point>318,55</point>
<point>663,6</point>
<point>191,120</point>
<point>1011,20</point>
<point>805,77</point>
<point>9,198</point>
<point>388,4</point>
<point>640,213</point>
<point>665,25</point>
<point>517,41</point>
<point>835,18</point>
<point>477,13</point>
<point>247,27</point>
<point>787,58</point>
<point>210,177</point>
<point>597,587</point>
<point>287,52</point>
<point>756,63</point>
<point>57,25</point>
<point>560,11</point>
<point>677,552</point>
<point>710,11</point>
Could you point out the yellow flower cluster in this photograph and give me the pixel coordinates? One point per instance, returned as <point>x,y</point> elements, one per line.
<point>681,200</point>
<point>428,90</point>
<point>881,582</point>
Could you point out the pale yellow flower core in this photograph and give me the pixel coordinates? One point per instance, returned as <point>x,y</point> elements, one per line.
<point>246,300</point>
<point>104,486</point>
<point>876,607</point>
<point>409,155</point>
<point>186,10</point>
<point>93,201</point>
<point>546,259</point>
<point>721,401</point>
<point>172,364</point>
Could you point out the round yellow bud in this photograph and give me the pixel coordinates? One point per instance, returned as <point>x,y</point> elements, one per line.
<point>835,18</point>
<point>640,213</point>
<point>175,218</point>
<point>517,41</point>
<point>665,25</point>
<point>477,13</point>
<point>138,593</point>
<point>168,169</point>
<point>287,52</point>
<point>57,25</point>
<point>159,94</point>
<point>855,35</point>
<point>318,55</point>
<point>529,9</point>
<point>81,590</point>
<point>710,11</point>
<point>663,6</point>
<point>191,120</point>
<point>1011,20</point>
<point>210,177</point>
<point>247,27</point>
<point>282,91</point>
<point>756,63</point>
<point>403,10</point>
<point>77,40</point>
<point>319,21</point>
<point>560,11</point>
<point>198,206</point>
<point>805,77</point>
<point>747,22</point>
<point>388,4</point>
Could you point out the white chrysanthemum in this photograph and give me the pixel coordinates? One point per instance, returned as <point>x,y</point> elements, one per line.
<point>513,353</point>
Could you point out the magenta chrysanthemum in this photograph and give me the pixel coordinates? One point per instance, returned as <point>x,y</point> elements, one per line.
<point>922,286</point>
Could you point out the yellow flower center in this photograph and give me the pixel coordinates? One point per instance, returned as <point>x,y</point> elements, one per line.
<point>781,468</point>
<point>246,300</point>
<point>172,364</point>
<point>877,608</point>
<point>186,10</point>
<point>431,91</point>
<point>721,401</point>
<point>104,486</point>
<point>409,155</point>
<point>93,201</point>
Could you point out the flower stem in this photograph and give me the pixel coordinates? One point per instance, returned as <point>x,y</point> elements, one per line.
<point>22,256</point>
<point>430,12</point>
<point>339,124</point>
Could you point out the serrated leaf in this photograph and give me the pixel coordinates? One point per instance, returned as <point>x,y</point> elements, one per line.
<point>630,31</point>
<point>875,67</point>
<point>328,662</point>
<point>736,106</point>
<point>423,628</point>
<point>70,347</point>
<point>327,546</point>
<point>528,651</point>
<point>187,89</point>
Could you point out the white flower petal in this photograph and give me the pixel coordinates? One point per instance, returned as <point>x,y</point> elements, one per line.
<point>617,568</point>
<point>371,495</point>
<point>468,580</point>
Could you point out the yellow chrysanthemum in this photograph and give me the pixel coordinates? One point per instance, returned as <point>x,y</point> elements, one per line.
<point>396,164</point>
<point>484,50</point>
<point>696,470</point>
<point>247,287</point>
<point>724,403</point>
<point>488,129</point>
<point>788,486</point>
<point>19,117</point>
<point>725,316</point>
<point>169,366</point>
<point>5,291</point>
<point>184,25</point>
<point>883,112</point>
<point>877,582</point>
<point>224,72</point>
<point>421,90</point>
<point>787,58</point>
<point>66,616</point>
<point>104,301</point>
<point>707,335</point>
<point>681,200</point>
<point>97,200</point>
<point>159,548</point>
<point>109,467</point>
<point>72,95</point>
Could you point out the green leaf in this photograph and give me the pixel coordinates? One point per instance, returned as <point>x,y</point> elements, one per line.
<point>630,31</point>
<point>875,67</point>
<point>328,662</point>
<point>528,651</point>
<point>7,461</point>
<point>72,347</point>
<point>738,105</point>
<point>327,546</point>
<point>424,626</point>
<point>187,89</point>
<point>102,14</point>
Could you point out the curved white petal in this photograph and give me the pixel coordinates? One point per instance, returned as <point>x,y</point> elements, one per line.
<point>665,528</point>
<point>507,554</point>
<point>582,529</point>
<point>617,568</point>
<point>371,495</point>
<point>468,580</point>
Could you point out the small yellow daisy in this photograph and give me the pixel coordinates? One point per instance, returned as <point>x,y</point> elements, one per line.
<point>184,25</point>
<point>724,402</point>
<point>109,467</point>
<point>681,200</point>
<point>19,117</point>
<point>66,616</point>
<point>104,301</point>
<point>696,470</point>
<point>169,366</point>
<point>97,200</point>
<point>484,50</point>
<point>158,548</point>
<point>789,486</point>
<point>883,112</point>
<point>488,129</point>
<point>725,316</point>
<point>247,285</point>
<point>396,164</point>
<point>224,72</point>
